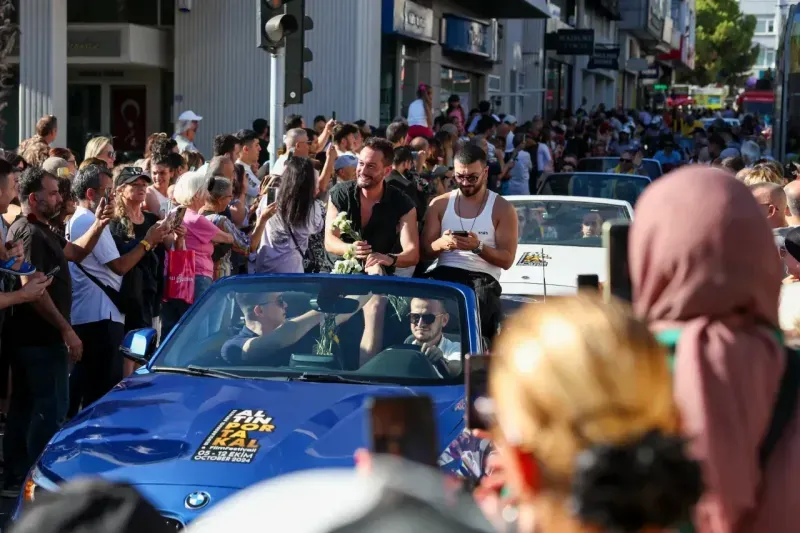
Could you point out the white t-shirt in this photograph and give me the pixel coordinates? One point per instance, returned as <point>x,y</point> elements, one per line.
<point>253,183</point>
<point>543,158</point>
<point>416,114</point>
<point>89,302</point>
<point>510,142</point>
<point>450,349</point>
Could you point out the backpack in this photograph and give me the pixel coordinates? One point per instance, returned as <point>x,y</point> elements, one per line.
<point>785,401</point>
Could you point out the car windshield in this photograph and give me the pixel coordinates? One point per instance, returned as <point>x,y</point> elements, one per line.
<point>565,223</point>
<point>370,331</point>
<point>626,187</point>
<point>606,164</point>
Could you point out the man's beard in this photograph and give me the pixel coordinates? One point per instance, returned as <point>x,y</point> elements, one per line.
<point>474,189</point>
<point>46,213</point>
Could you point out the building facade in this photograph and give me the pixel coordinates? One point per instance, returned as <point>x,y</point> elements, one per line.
<point>129,67</point>
<point>767,34</point>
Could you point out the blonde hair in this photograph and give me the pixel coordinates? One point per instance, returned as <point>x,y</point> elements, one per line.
<point>189,186</point>
<point>574,373</point>
<point>759,174</point>
<point>95,146</point>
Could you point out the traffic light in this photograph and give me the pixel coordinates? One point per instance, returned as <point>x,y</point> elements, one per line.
<point>275,24</point>
<point>297,55</point>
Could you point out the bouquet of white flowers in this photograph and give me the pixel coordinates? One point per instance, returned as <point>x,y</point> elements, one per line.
<point>345,226</point>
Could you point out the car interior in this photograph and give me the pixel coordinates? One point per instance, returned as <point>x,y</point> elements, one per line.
<point>605,164</point>
<point>561,223</point>
<point>397,358</point>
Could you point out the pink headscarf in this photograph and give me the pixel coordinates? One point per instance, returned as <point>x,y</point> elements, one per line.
<point>703,259</point>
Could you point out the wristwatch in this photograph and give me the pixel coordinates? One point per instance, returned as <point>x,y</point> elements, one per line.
<point>394,259</point>
<point>479,249</point>
<point>147,245</point>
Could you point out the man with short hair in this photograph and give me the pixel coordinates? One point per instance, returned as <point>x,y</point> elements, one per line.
<point>186,131</point>
<point>221,165</point>
<point>42,341</point>
<point>319,124</point>
<point>428,317</point>
<point>397,133</point>
<point>224,145</point>
<point>248,157</point>
<point>95,317</point>
<point>792,191</point>
<point>261,127</point>
<point>293,122</point>
<point>297,144</point>
<point>345,138</point>
<point>380,213</point>
<point>472,231</point>
<point>511,125</point>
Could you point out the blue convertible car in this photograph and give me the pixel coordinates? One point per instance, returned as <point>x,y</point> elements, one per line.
<point>267,375</point>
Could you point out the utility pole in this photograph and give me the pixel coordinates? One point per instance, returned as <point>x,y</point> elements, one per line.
<point>277,83</point>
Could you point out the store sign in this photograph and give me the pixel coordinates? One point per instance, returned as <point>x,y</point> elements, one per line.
<point>467,36</point>
<point>409,19</point>
<point>655,18</point>
<point>605,57</point>
<point>88,43</point>
<point>651,73</point>
<point>660,87</point>
<point>571,42</point>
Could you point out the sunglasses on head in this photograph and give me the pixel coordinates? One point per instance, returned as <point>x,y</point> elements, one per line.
<point>427,318</point>
<point>132,171</point>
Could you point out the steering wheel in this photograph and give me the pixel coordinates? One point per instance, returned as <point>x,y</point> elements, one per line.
<point>440,365</point>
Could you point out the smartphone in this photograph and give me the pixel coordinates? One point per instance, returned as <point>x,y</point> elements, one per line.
<point>476,385</point>
<point>333,115</point>
<point>461,233</point>
<point>415,155</point>
<point>272,195</point>
<point>53,272</point>
<point>588,282</point>
<point>615,241</point>
<point>404,426</point>
<point>107,195</point>
<point>178,218</point>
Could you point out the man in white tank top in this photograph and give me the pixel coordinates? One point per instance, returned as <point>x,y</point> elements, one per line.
<point>473,233</point>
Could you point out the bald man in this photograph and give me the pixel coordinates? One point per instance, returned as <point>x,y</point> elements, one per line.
<point>792,191</point>
<point>772,199</point>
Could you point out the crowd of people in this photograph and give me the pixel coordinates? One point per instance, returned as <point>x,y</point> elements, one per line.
<point>676,412</point>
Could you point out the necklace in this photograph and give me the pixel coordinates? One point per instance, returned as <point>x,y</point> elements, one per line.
<point>474,220</point>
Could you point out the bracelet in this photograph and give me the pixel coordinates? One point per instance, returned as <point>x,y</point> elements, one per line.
<point>147,245</point>
<point>394,259</point>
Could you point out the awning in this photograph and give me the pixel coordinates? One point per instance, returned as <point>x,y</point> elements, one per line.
<point>508,9</point>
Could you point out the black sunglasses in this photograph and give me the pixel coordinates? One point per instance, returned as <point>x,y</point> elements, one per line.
<point>467,178</point>
<point>427,318</point>
<point>625,160</point>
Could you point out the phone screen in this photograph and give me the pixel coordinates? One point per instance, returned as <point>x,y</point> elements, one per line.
<point>461,233</point>
<point>615,241</point>
<point>53,272</point>
<point>178,219</point>
<point>404,426</point>
<point>589,282</point>
<point>476,373</point>
<point>272,195</point>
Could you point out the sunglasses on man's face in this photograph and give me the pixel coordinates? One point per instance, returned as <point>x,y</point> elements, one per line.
<point>625,160</point>
<point>427,318</point>
<point>467,178</point>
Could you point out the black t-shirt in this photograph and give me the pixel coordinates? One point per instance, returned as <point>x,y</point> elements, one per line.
<point>382,230</point>
<point>44,250</point>
<point>151,265</point>
<point>408,187</point>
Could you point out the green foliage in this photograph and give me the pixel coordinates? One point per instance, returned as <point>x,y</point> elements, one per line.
<point>724,50</point>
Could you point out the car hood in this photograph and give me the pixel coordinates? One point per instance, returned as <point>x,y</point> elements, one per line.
<point>560,268</point>
<point>166,429</point>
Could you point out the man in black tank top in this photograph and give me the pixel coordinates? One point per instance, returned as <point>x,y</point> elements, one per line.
<point>473,262</point>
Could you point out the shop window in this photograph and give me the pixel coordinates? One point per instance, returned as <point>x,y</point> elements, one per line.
<point>144,12</point>
<point>460,83</point>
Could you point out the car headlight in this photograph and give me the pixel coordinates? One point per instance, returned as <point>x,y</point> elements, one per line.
<point>36,481</point>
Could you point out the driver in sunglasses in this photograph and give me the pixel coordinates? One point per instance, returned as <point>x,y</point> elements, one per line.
<point>428,318</point>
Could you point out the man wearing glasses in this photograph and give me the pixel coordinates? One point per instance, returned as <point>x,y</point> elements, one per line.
<point>472,231</point>
<point>628,164</point>
<point>428,319</point>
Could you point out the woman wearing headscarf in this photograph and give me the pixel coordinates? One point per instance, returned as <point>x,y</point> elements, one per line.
<point>706,277</point>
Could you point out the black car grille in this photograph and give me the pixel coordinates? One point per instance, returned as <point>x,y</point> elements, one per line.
<point>173,524</point>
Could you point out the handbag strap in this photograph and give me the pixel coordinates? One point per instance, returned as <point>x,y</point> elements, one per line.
<point>111,293</point>
<point>291,234</point>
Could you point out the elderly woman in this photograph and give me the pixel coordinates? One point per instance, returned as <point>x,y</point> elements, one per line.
<point>191,192</point>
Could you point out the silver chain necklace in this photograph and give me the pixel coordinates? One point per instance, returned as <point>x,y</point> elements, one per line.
<point>474,220</point>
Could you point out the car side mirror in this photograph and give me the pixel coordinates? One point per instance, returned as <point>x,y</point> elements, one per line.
<point>139,345</point>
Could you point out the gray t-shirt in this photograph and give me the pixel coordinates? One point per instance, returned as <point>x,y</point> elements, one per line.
<point>278,252</point>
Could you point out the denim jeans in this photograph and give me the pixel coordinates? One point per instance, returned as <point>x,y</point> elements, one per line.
<point>39,401</point>
<point>173,310</point>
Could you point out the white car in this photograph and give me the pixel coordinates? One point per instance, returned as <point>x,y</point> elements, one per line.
<point>559,238</point>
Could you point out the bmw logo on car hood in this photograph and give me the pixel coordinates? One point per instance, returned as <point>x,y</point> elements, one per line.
<point>197,500</point>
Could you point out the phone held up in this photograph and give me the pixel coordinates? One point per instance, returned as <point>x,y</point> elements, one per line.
<point>615,241</point>
<point>272,195</point>
<point>404,426</point>
<point>476,384</point>
<point>461,233</point>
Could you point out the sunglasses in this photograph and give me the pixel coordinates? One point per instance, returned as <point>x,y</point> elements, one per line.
<point>467,178</point>
<point>625,160</point>
<point>132,171</point>
<point>427,318</point>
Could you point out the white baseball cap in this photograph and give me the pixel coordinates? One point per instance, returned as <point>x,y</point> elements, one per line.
<point>510,119</point>
<point>189,115</point>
